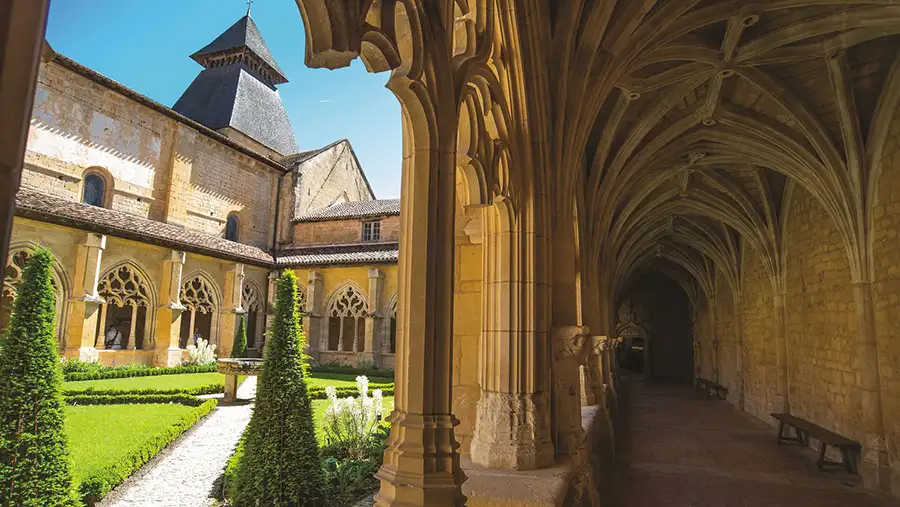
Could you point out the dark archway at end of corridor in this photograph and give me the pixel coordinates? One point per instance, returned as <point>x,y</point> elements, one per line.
<point>658,308</point>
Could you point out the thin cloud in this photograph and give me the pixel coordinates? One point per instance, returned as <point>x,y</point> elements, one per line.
<point>324,101</point>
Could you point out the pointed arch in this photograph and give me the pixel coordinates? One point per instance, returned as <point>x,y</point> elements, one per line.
<point>126,315</point>
<point>345,310</point>
<point>19,253</point>
<point>253,302</point>
<point>389,344</point>
<point>201,298</point>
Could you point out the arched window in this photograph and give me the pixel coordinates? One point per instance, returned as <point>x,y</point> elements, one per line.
<point>124,321</point>
<point>231,228</point>
<point>251,302</point>
<point>94,192</point>
<point>12,277</point>
<point>199,300</point>
<point>346,321</point>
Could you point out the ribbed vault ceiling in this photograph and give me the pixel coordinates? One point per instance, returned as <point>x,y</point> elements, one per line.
<point>701,116</point>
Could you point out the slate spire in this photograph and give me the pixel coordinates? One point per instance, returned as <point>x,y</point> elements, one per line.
<point>236,89</point>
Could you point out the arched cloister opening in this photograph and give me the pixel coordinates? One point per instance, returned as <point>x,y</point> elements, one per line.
<point>251,300</point>
<point>126,315</point>
<point>12,277</point>
<point>389,334</point>
<point>632,325</point>
<point>201,315</point>
<point>346,312</point>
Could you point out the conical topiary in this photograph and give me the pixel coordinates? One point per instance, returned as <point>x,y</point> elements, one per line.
<point>240,340</point>
<point>35,469</point>
<point>280,466</point>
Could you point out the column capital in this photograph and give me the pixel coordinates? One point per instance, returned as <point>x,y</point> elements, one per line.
<point>94,240</point>
<point>176,256</point>
<point>315,276</point>
<point>599,344</point>
<point>375,273</point>
<point>568,341</point>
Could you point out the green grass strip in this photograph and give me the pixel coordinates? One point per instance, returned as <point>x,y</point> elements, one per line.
<point>98,484</point>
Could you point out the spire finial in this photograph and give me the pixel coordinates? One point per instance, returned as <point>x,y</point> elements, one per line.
<point>249,4</point>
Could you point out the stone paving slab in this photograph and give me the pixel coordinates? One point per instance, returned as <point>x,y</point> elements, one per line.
<point>183,474</point>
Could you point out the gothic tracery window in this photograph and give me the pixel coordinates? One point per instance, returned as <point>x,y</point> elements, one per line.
<point>124,317</point>
<point>346,321</point>
<point>199,300</point>
<point>250,296</point>
<point>12,277</point>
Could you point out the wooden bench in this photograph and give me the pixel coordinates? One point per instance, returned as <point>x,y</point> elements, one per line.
<point>803,429</point>
<point>711,387</point>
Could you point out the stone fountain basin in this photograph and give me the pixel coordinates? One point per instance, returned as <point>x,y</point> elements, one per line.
<point>241,366</point>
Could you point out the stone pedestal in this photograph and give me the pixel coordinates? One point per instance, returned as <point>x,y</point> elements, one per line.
<point>511,431</point>
<point>568,353</point>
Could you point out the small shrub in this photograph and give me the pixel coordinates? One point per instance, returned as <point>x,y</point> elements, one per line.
<point>127,399</point>
<point>134,370</point>
<point>280,465</point>
<point>201,354</point>
<point>240,341</point>
<point>194,391</point>
<point>35,468</point>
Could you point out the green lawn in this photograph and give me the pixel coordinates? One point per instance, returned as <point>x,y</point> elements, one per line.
<point>100,435</point>
<point>152,382</point>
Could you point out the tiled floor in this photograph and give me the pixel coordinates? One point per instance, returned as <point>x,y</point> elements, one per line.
<point>679,450</point>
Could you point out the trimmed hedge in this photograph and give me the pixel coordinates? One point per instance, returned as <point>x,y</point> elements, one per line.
<point>130,399</point>
<point>349,370</point>
<point>195,391</point>
<point>318,393</point>
<point>118,372</point>
<point>99,484</point>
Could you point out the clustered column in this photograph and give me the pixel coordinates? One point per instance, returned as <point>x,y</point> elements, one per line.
<point>233,309</point>
<point>168,315</point>
<point>85,303</point>
<point>374,316</point>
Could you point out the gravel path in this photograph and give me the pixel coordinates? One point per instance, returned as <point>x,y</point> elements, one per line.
<point>184,473</point>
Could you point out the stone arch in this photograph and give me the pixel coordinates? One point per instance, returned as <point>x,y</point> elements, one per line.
<point>346,310</point>
<point>389,343</point>
<point>253,302</point>
<point>129,297</point>
<point>19,252</point>
<point>201,298</point>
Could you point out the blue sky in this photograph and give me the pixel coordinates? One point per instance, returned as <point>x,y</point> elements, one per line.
<point>146,44</point>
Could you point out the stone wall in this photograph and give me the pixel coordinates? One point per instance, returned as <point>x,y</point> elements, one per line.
<point>820,320</point>
<point>342,231</point>
<point>757,316</point>
<point>728,346</point>
<point>155,167</point>
<point>886,252</point>
<point>334,175</point>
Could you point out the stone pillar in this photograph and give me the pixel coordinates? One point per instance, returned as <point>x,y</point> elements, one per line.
<point>374,316</point>
<point>782,401</point>
<point>167,351</point>
<point>85,304</point>
<point>714,360</point>
<point>588,394</point>
<point>315,295</point>
<point>739,353</point>
<point>875,466</point>
<point>421,462</point>
<point>180,168</point>
<point>512,424</point>
<point>232,309</point>
<point>271,285</point>
<point>568,352</point>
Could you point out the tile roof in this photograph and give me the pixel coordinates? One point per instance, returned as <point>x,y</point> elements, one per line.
<point>46,208</point>
<point>358,253</point>
<point>36,205</point>
<point>351,210</point>
<point>243,34</point>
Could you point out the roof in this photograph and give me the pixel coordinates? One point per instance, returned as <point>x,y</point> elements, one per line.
<point>46,208</point>
<point>350,254</point>
<point>354,210</point>
<point>243,34</point>
<point>36,205</point>
<point>299,158</point>
<point>232,96</point>
<point>117,87</point>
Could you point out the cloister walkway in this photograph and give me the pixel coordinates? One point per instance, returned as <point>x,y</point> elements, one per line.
<point>679,450</point>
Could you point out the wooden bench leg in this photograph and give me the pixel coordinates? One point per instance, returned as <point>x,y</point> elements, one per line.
<point>821,461</point>
<point>847,458</point>
<point>780,432</point>
<point>801,438</point>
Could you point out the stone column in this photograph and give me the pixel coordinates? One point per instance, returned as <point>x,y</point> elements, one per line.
<point>512,424</point>
<point>739,353</point>
<point>421,463</point>
<point>315,295</point>
<point>232,309</point>
<point>588,394</point>
<point>85,304</point>
<point>875,467</point>
<point>374,316</point>
<point>714,359</point>
<point>167,351</point>
<point>568,352</point>
<point>782,401</point>
<point>271,284</point>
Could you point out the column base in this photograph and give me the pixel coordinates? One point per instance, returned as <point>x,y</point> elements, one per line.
<point>83,354</point>
<point>875,469</point>
<point>167,357</point>
<point>512,431</point>
<point>421,463</point>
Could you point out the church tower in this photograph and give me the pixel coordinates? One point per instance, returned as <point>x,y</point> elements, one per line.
<point>235,94</point>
